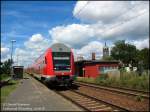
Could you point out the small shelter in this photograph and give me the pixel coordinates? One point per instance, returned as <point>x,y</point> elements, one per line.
<point>18,72</point>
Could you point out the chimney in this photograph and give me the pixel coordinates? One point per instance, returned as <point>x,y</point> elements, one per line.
<point>93,56</point>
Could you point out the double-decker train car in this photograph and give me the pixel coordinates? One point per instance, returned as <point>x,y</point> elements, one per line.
<point>55,66</point>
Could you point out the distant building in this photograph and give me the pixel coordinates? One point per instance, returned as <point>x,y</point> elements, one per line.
<point>94,68</point>
<point>105,51</point>
<point>93,56</point>
<point>80,57</point>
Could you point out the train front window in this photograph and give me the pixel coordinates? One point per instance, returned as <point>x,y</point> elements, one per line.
<point>61,61</point>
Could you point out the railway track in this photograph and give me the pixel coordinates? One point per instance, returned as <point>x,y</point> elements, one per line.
<point>86,102</point>
<point>89,103</point>
<point>125,91</point>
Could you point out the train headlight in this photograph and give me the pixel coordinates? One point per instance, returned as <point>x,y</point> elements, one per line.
<point>68,68</point>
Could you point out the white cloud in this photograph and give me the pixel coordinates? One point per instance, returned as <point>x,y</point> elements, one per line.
<point>87,50</point>
<point>4,53</point>
<point>107,11</point>
<point>36,38</point>
<point>37,42</point>
<point>140,44</point>
<point>4,50</point>
<point>103,11</point>
<point>135,29</point>
<point>33,48</point>
<point>75,34</point>
<point>25,56</point>
<point>115,19</point>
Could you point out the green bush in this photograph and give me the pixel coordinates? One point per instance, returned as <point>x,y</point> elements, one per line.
<point>139,98</point>
<point>86,79</point>
<point>101,78</point>
<point>127,79</point>
<point>4,76</point>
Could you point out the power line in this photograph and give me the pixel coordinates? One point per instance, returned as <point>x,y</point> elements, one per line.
<point>124,13</point>
<point>128,10</point>
<point>123,22</point>
<point>72,17</point>
<point>82,8</point>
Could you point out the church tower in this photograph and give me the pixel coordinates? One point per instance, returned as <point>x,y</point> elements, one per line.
<point>105,51</point>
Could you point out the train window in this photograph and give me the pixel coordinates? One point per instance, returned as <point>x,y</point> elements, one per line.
<point>61,54</point>
<point>60,49</point>
<point>61,61</point>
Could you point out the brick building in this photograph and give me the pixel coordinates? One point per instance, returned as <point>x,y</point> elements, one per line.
<point>93,68</point>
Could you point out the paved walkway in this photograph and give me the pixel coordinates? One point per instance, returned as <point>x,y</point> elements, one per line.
<point>34,96</point>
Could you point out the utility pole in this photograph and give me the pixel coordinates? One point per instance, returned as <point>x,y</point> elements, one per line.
<point>17,59</point>
<point>12,41</point>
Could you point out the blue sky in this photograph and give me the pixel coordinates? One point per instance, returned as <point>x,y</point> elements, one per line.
<point>36,25</point>
<point>20,20</point>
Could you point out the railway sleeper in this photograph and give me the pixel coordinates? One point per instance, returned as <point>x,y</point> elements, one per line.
<point>104,109</point>
<point>92,104</point>
<point>83,100</point>
<point>97,106</point>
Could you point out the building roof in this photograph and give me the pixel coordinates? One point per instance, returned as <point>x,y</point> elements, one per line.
<point>18,66</point>
<point>97,61</point>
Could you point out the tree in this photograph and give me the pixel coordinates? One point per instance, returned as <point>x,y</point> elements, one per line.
<point>6,67</point>
<point>107,58</point>
<point>143,57</point>
<point>124,52</point>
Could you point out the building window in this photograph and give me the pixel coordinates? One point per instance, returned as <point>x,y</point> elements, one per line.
<point>105,69</point>
<point>101,70</point>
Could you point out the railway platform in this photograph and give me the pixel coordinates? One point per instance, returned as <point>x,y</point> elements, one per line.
<point>31,95</point>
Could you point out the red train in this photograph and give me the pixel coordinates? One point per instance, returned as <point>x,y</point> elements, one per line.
<point>55,66</point>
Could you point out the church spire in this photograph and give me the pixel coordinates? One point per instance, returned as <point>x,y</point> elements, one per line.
<point>105,51</point>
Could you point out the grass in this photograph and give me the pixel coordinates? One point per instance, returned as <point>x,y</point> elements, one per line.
<point>6,90</point>
<point>127,80</point>
<point>139,98</point>
<point>4,77</point>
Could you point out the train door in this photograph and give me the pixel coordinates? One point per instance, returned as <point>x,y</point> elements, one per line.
<point>45,66</point>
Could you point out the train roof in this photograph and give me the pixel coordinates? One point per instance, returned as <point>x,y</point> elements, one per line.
<point>59,47</point>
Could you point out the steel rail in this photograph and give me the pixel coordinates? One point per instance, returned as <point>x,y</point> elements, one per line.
<point>117,90</point>
<point>108,104</point>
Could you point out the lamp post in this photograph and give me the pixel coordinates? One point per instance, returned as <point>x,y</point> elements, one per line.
<point>12,41</point>
<point>17,59</point>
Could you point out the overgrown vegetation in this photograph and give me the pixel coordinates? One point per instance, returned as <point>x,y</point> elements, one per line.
<point>5,73</point>
<point>129,54</point>
<point>4,77</point>
<point>126,80</point>
<point>7,89</point>
<point>5,69</point>
<point>139,98</point>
